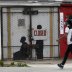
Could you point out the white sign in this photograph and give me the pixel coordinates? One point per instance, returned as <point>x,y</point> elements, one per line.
<point>61,23</point>
<point>39,34</point>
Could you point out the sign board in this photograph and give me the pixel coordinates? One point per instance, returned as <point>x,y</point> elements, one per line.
<point>61,23</point>
<point>39,34</point>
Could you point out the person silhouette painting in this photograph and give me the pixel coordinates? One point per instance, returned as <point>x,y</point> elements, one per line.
<point>24,48</point>
<point>23,53</point>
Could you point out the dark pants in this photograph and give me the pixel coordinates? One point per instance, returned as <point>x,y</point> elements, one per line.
<point>69,49</point>
<point>39,49</point>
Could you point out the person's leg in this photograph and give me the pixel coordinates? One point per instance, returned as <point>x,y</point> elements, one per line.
<point>61,65</point>
<point>66,55</point>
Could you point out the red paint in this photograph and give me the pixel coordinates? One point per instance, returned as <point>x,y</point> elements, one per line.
<point>67,10</point>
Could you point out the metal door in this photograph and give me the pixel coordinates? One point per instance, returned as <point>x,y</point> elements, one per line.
<point>15,25</point>
<point>48,19</point>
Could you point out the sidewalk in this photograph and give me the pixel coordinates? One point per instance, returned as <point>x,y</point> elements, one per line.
<point>45,61</point>
<point>39,66</point>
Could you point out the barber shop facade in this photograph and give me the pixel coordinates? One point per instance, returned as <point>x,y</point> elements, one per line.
<point>39,24</point>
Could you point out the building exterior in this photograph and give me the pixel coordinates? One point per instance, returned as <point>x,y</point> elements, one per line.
<point>21,18</point>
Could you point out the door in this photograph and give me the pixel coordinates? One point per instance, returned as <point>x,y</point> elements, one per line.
<point>15,25</point>
<point>48,19</point>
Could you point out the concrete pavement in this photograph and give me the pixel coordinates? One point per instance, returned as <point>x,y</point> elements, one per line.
<point>40,66</point>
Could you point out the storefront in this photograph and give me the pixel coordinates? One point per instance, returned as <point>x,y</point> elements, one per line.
<point>38,22</point>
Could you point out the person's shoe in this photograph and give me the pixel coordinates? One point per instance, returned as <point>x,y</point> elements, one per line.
<point>60,66</point>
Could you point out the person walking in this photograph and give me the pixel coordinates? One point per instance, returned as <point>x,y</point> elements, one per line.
<point>68,33</point>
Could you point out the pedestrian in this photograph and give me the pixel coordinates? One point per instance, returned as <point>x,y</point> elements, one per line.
<point>68,33</point>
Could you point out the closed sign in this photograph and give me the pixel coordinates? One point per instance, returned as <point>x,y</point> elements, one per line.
<point>39,34</point>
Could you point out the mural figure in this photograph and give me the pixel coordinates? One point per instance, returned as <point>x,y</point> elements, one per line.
<point>24,51</point>
<point>39,48</point>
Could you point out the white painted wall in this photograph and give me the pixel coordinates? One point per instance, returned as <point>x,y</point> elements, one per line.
<point>16,31</point>
<point>42,18</point>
